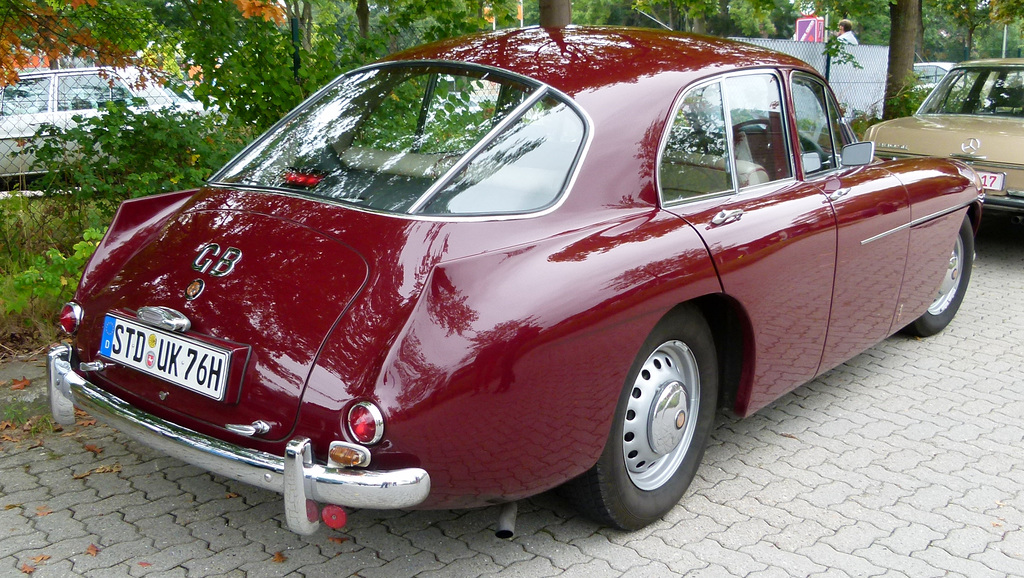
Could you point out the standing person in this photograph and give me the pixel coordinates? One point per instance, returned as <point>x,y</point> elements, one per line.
<point>846,32</point>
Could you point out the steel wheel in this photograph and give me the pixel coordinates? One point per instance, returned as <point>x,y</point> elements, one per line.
<point>658,429</point>
<point>954,283</point>
<point>951,280</point>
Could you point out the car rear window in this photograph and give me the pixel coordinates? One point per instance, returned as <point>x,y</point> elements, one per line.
<point>422,139</point>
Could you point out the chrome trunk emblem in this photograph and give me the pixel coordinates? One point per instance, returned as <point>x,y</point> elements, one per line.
<point>194,289</point>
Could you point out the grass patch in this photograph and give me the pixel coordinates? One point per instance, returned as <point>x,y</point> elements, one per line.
<point>31,419</point>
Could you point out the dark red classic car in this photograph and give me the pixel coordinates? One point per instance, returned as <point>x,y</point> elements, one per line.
<point>503,263</point>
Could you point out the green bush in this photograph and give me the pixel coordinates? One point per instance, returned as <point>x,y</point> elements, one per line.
<point>53,278</point>
<point>91,168</point>
<point>125,153</point>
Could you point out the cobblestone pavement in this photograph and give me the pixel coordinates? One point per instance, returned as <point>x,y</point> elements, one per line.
<point>906,461</point>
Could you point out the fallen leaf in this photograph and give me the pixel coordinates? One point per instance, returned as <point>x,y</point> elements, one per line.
<point>338,539</point>
<point>80,413</point>
<point>145,564</point>
<point>6,425</point>
<point>8,438</point>
<point>996,525</point>
<point>113,469</point>
<point>38,444</point>
<point>26,569</point>
<point>40,558</point>
<point>790,436</point>
<point>20,383</point>
<point>230,495</point>
<point>12,506</point>
<point>43,510</point>
<point>85,422</point>
<point>92,550</point>
<point>92,448</point>
<point>278,557</point>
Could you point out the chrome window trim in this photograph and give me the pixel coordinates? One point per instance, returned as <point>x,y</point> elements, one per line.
<point>736,189</point>
<point>480,145</point>
<point>573,175</point>
<point>837,156</point>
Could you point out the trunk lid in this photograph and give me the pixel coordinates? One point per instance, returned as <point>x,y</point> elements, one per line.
<point>259,285</point>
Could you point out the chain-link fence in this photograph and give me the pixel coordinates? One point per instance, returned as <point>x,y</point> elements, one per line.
<point>55,97</point>
<point>859,90</point>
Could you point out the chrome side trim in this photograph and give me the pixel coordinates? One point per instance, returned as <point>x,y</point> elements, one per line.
<point>917,222</point>
<point>295,475</point>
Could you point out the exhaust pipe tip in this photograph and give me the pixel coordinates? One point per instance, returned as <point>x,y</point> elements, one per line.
<point>1017,219</point>
<point>507,521</point>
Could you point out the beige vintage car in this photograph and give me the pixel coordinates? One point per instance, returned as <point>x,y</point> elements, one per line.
<point>975,114</point>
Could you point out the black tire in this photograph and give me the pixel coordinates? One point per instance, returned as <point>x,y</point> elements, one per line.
<point>675,373</point>
<point>954,285</point>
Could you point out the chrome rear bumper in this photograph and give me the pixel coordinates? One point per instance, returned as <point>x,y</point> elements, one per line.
<point>295,475</point>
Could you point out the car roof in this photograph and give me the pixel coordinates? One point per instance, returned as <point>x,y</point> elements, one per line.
<point>993,62</point>
<point>577,59</point>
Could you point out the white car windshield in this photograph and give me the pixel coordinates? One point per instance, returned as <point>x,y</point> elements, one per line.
<point>422,138</point>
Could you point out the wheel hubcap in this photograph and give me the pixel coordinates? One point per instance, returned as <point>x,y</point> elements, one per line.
<point>951,280</point>
<point>660,415</point>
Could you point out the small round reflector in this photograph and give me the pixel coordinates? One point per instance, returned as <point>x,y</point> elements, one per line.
<point>334,516</point>
<point>365,423</point>
<point>70,318</point>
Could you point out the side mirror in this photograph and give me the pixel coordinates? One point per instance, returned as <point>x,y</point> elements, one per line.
<point>811,162</point>
<point>858,154</point>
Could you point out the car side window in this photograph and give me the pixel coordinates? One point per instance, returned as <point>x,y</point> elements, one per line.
<point>695,160</point>
<point>89,92</point>
<point>758,129</point>
<point>28,96</point>
<point>817,124</point>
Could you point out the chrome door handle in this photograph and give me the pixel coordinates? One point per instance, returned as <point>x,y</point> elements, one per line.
<point>838,194</point>
<point>727,216</point>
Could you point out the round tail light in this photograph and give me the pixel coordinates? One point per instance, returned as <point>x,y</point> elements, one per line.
<point>70,318</point>
<point>365,423</point>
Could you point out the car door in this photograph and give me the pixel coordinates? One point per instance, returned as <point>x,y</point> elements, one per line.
<point>727,168</point>
<point>872,210</point>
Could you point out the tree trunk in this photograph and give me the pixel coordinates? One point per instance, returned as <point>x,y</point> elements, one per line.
<point>363,16</point>
<point>904,18</point>
<point>554,13</point>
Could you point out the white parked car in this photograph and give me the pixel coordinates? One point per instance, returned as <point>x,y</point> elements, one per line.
<point>931,73</point>
<point>56,96</point>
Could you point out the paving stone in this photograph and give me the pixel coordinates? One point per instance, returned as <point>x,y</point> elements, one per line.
<point>903,461</point>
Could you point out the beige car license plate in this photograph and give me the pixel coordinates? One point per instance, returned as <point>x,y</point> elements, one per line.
<point>992,181</point>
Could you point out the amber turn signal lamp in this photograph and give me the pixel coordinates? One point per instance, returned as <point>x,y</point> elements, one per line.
<point>70,317</point>
<point>365,423</point>
<point>346,456</point>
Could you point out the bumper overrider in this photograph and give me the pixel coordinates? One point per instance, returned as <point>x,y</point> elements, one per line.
<point>295,475</point>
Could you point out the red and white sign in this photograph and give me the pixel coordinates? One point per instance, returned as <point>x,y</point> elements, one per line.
<point>810,29</point>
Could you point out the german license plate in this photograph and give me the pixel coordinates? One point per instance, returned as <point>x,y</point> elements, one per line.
<point>992,181</point>
<point>180,360</point>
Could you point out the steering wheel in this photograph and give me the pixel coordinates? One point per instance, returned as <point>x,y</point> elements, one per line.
<point>743,126</point>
